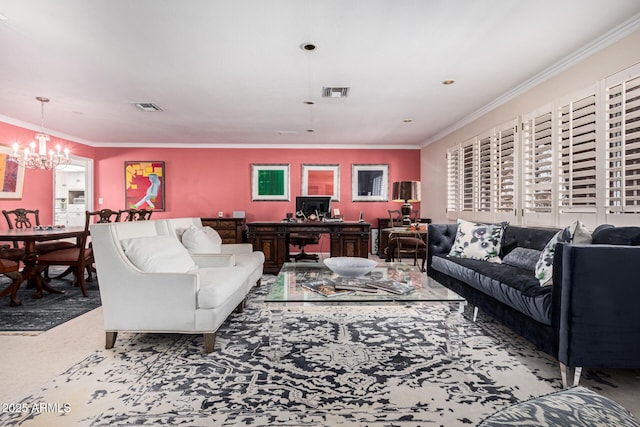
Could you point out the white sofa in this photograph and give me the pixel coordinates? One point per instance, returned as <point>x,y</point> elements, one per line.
<point>149,282</point>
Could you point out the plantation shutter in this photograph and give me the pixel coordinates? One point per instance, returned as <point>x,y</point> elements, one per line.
<point>454,194</point>
<point>469,175</point>
<point>538,167</point>
<point>622,140</point>
<point>485,164</point>
<point>505,172</point>
<point>577,155</point>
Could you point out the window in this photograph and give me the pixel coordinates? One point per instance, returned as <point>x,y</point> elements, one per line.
<point>577,147</point>
<point>577,157</point>
<point>623,147</point>
<point>453,181</point>
<point>538,164</point>
<point>505,159</point>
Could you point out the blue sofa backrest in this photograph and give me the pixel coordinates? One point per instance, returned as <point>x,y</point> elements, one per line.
<point>525,237</point>
<point>610,235</point>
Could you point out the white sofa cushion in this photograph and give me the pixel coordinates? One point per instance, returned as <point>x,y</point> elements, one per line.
<point>202,240</point>
<point>158,254</point>
<point>219,285</point>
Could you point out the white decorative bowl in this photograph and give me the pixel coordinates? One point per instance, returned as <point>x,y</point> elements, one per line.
<point>350,266</point>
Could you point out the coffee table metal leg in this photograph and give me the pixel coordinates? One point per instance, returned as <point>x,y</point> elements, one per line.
<point>454,327</point>
<point>276,320</point>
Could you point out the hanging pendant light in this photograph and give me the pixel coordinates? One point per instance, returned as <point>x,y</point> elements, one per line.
<point>36,155</point>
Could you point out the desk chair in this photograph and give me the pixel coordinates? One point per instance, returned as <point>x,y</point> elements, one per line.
<point>405,243</point>
<point>301,240</point>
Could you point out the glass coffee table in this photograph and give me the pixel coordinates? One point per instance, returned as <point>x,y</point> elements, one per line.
<point>292,288</point>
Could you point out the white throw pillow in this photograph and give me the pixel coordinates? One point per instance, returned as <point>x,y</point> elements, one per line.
<point>202,240</point>
<point>574,233</point>
<point>158,254</point>
<point>478,241</point>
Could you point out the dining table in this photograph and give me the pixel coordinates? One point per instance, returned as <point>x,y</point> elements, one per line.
<point>29,237</point>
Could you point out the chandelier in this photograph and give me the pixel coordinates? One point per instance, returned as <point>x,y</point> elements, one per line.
<point>31,158</point>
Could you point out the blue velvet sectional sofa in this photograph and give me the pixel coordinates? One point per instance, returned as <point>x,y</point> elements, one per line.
<point>589,317</point>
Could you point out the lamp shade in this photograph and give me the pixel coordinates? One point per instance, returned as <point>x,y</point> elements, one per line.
<point>406,191</point>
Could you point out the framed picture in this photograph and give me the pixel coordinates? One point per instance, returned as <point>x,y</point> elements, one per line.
<point>270,182</point>
<point>370,183</point>
<point>144,185</point>
<point>321,180</point>
<point>11,176</point>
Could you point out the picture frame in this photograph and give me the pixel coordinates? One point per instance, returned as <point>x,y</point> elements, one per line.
<point>270,182</point>
<point>321,180</point>
<point>370,183</point>
<point>11,176</point>
<point>144,185</point>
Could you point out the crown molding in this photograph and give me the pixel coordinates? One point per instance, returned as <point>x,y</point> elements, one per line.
<point>607,39</point>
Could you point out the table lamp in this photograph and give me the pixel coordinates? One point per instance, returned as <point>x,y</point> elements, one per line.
<point>406,191</point>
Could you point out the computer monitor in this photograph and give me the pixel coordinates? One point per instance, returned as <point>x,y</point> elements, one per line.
<point>307,205</point>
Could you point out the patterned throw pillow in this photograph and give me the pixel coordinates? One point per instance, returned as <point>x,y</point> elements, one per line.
<point>478,241</point>
<point>574,233</point>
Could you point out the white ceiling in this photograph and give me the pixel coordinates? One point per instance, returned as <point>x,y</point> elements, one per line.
<point>232,73</point>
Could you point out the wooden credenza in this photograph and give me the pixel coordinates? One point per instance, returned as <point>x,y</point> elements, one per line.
<point>272,238</point>
<point>230,229</point>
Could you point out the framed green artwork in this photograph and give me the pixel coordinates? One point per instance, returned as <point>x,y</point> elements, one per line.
<point>270,182</point>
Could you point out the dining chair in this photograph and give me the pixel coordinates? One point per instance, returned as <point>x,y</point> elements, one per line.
<point>28,218</point>
<point>20,218</point>
<point>405,242</point>
<point>135,214</point>
<point>11,269</point>
<point>78,258</point>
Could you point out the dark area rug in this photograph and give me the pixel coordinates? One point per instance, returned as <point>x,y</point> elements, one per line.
<point>36,315</point>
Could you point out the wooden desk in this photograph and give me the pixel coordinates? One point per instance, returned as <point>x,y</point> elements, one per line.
<point>30,236</point>
<point>272,238</point>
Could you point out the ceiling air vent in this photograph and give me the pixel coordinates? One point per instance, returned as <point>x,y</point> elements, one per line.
<point>147,106</point>
<point>335,92</point>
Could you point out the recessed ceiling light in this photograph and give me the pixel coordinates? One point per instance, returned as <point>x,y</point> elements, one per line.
<point>407,120</point>
<point>311,130</point>
<point>310,102</point>
<point>308,46</point>
<point>448,82</point>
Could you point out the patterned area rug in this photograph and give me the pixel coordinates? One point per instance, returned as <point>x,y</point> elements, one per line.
<point>37,315</point>
<point>369,366</point>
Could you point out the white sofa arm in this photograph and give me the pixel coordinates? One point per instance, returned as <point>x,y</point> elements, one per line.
<point>214,260</point>
<point>163,293</point>
<point>237,248</point>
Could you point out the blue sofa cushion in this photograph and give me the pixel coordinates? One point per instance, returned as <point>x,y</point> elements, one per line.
<point>523,257</point>
<point>513,286</point>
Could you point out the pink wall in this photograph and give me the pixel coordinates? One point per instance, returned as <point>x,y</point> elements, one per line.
<point>203,181</point>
